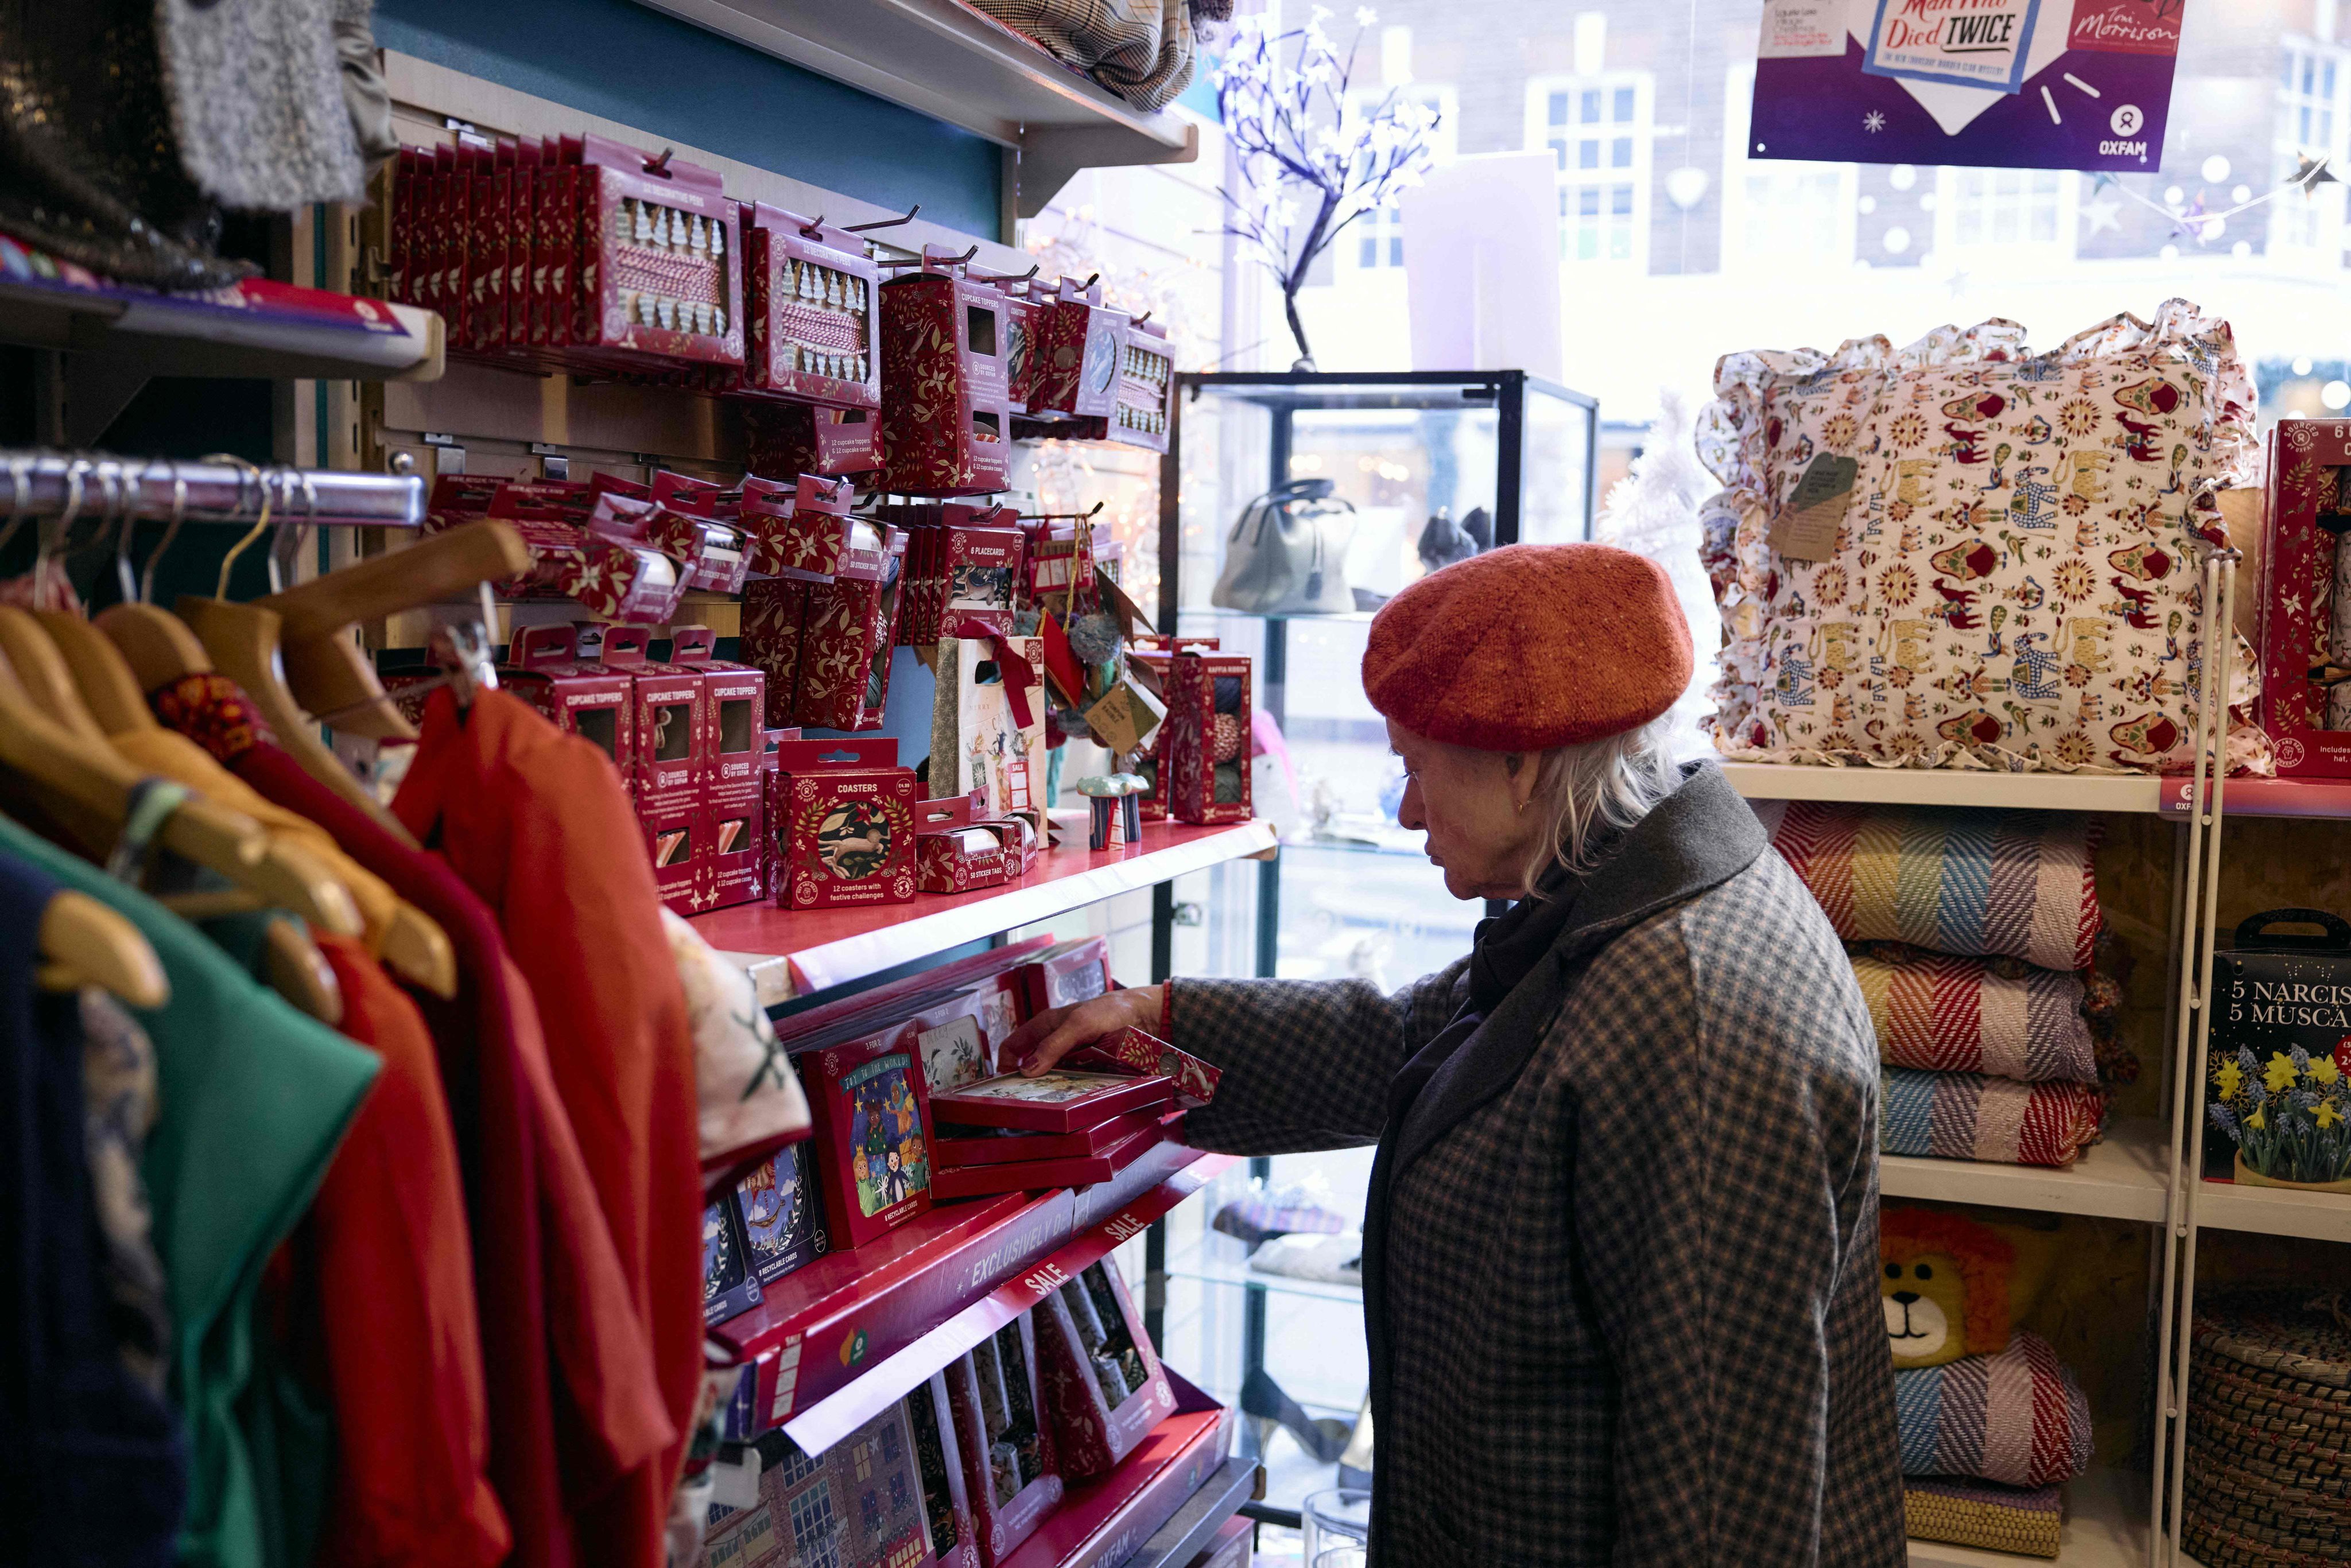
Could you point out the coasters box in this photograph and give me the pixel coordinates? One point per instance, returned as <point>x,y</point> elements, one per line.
<point>781,1214</point>
<point>846,637</point>
<point>1037,1176</point>
<point>2306,594</point>
<point>1205,757</point>
<point>872,1121</point>
<point>1055,1102</point>
<point>946,425</point>
<point>1010,1469</point>
<point>1100,1375</point>
<point>946,1502</point>
<point>847,834</point>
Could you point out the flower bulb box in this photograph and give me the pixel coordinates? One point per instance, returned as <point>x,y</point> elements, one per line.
<point>1066,972</point>
<point>1055,1102</point>
<point>847,834</point>
<point>1204,755</point>
<point>556,670</point>
<point>872,1111</point>
<point>2302,591</point>
<point>1103,1384</point>
<point>1010,1471</point>
<point>2276,993</point>
<point>946,425</point>
<point>1037,1176</point>
<point>734,764</point>
<point>809,301</point>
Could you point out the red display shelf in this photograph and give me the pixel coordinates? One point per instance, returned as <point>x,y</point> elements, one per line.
<point>829,946</point>
<point>2317,798</point>
<point>834,1338</point>
<point>1109,1522</point>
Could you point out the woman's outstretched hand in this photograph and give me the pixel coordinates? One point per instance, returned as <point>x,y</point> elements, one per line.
<point>1052,1034</point>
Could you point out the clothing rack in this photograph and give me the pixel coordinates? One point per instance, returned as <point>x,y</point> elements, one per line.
<point>96,485</point>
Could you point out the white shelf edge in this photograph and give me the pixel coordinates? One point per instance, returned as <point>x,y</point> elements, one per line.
<point>1946,787</point>
<point>2106,1527</point>
<point>2273,1211</point>
<point>2123,1178</point>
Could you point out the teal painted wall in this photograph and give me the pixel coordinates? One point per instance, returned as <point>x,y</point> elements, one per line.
<point>625,62</point>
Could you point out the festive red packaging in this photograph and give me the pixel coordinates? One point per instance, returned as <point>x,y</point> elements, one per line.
<point>617,581</point>
<point>771,798</point>
<point>817,537</point>
<point>809,303</point>
<point>945,424</point>
<point>1204,754</point>
<point>677,831</point>
<point>1024,318</point>
<point>575,690</point>
<point>955,1146</point>
<point>848,837</point>
<point>973,571</point>
<point>782,440</point>
<point>1133,1051</point>
<point>2304,594</point>
<point>846,637</point>
<point>872,1132</point>
<point>1057,1102</point>
<point>773,609</point>
<point>954,1537</point>
<point>669,718</point>
<point>657,281</point>
<point>952,855</point>
<point>1078,350</point>
<point>1010,1469</point>
<point>1098,1371</point>
<point>1147,381</point>
<point>734,701</point>
<point>1233,1546</point>
<point>1039,1176</point>
<point>1066,972</point>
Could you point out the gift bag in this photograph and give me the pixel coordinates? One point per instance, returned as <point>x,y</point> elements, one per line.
<point>989,717</point>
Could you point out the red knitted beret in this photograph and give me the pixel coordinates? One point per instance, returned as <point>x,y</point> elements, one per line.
<point>1530,646</point>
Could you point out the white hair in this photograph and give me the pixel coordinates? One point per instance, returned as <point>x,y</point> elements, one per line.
<point>1584,793</point>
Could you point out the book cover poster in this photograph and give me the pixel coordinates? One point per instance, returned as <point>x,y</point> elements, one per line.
<point>2016,84</point>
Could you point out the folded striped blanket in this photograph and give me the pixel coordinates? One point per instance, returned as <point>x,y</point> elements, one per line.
<point>1983,883</point>
<point>2015,1416</point>
<point>1968,1116</point>
<point>2000,1016</point>
<point>1977,1513</point>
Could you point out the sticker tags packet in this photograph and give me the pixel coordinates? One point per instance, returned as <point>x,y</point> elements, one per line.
<point>1806,528</point>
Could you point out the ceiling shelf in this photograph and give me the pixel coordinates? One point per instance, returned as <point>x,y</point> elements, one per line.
<point>945,59</point>
<point>2121,1177</point>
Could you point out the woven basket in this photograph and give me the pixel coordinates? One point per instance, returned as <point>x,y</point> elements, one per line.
<point>2268,1483</point>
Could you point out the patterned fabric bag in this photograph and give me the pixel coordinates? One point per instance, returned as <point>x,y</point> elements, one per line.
<point>1139,49</point>
<point>1968,1116</point>
<point>2016,1417</point>
<point>1981,884</point>
<point>2015,580</point>
<point>1998,1015</point>
<point>2023,1520</point>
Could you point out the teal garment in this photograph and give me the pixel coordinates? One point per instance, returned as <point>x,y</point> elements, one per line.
<point>254,1097</point>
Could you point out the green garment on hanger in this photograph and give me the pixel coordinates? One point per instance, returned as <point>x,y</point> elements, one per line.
<point>254,1098</point>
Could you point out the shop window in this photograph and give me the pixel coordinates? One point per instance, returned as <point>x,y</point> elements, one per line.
<point>1777,213</point>
<point>1598,130</point>
<point>1376,239</point>
<point>2311,123</point>
<point>2012,210</point>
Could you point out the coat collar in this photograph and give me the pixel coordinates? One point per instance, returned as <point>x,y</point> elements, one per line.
<point>1698,837</point>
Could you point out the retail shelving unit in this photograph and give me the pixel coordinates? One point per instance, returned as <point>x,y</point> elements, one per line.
<point>2145,1170</point>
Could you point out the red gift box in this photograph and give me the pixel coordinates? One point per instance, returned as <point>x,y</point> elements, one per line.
<point>872,1113</point>
<point>846,637</point>
<point>785,440</point>
<point>616,581</point>
<point>1206,738</point>
<point>656,274</point>
<point>2306,461</point>
<point>1036,1176</point>
<point>1133,1051</point>
<point>1024,318</point>
<point>810,302</point>
<point>1010,1469</point>
<point>1147,383</point>
<point>771,865</point>
<point>1067,972</point>
<point>955,1146</point>
<point>1078,350</point>
<point>807,531</point>
<point>972,571</point>
<point>944,423</point>
<point>578,694</point>
<point>1057,1102</point>
<point>952,853</point>
<point>847,836</point>
<point>773,609</point>
<point>734,779</point>
<point>947,1501</point>
<point>1100,1374</point>
<point>1103,1523</point>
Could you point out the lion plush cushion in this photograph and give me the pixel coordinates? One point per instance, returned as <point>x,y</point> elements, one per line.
<point>1953,1286</point>
<point>2016,580</point>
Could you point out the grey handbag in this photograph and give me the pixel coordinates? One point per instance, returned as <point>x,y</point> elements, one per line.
<point>1288,554</point>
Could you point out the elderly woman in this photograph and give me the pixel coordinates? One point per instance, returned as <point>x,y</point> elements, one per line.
<point>1620,1249</point>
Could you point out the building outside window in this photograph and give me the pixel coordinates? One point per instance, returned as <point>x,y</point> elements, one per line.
<point>2025,214</point>
<point>1777,213</point>
<point>1376,239</point>
<point>2311,121</point>
<point>1598,128</point>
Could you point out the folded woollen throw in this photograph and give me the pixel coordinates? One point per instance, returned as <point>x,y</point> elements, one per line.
<point>2023,1520</point>
<point>1980,884</point>
<point>1970,1116</point>
<point>2000,1016</point>
<point>2015,1416</point>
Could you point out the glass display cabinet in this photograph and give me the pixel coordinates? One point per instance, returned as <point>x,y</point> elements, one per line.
<point>1291,507</point>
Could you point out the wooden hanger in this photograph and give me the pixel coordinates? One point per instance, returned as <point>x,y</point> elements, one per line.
<point>45,677</point>
<point>90,786</point>
<point>413,944</point>
<point>325,669</point>
<point>299,972</point>
<point>156,644</point>
<point>84,943</point>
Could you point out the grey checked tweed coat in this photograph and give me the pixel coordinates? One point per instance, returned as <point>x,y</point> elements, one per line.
<point>1621,1253</point>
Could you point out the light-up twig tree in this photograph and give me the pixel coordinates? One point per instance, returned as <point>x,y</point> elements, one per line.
<point>1312,157</point>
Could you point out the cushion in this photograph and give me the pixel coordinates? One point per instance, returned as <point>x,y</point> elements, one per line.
<point>1953,1286</point>
<point>2000,1016</point>
<point>2016,1417</point>
<point>2023,1520</point>
<point>1968,1116</point>
<point>1980,884</point>
<point>2016,582</point>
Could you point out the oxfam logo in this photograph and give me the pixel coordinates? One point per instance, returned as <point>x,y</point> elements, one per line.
<point>853,1349</point>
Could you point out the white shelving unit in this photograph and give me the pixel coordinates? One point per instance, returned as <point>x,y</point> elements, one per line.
<point>2126,1176</point>
<point>2106,1527</point>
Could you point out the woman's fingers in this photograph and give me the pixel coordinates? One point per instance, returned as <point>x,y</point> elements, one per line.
<point>1018,1044</point>
<point>1061,1031</point>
